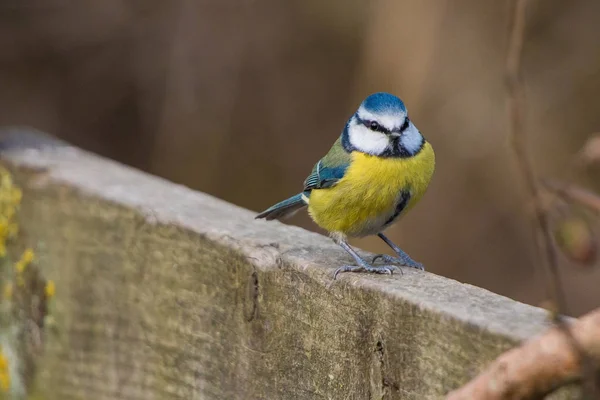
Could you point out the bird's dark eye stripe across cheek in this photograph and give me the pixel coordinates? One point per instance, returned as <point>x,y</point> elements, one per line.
<point>405,125</point>
<point>374,126</point>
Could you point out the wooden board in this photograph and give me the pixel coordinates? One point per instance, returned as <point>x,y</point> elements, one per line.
<point>167,293</point>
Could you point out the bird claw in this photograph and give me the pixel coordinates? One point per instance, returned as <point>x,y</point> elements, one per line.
<point>382,269</point>
<point>406,262</point>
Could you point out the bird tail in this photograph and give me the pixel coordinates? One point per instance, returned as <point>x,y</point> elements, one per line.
<point>285,208</point>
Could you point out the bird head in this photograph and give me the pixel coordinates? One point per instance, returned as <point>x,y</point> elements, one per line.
<point>381,127</point>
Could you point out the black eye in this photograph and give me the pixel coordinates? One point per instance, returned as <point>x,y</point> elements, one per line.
<point>375,126</point>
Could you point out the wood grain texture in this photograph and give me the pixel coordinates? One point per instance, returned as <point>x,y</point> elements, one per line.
<point>167,293</point>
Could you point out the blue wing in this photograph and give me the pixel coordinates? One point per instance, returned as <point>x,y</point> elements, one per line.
<point>326,173</point>
<point>324,176</point>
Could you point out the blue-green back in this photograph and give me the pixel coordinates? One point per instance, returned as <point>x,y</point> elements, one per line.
<point>330,169</point>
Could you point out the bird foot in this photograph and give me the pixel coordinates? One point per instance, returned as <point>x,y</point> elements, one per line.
<point>382,269</point>
<point>404,261</point>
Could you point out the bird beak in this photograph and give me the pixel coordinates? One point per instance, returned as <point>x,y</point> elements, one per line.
<point>395,134</point>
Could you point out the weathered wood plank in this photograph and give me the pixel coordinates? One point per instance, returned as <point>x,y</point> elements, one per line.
<point>167,293</point>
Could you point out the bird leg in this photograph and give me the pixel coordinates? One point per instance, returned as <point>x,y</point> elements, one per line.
<point>402,259</point>
<point>362,265</point>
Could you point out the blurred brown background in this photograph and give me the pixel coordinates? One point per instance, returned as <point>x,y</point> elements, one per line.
<point>240,98</point>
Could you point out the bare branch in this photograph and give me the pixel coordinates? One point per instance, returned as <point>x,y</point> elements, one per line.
<point>574,193</point>
<point>516,103</point>
<point>538,366</point>
<point>517,109</point>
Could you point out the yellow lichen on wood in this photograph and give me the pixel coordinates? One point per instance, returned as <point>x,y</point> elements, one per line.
<point>50,289</point>
<point>4,372</point>
<point>26,258</point>
<point>25,298</point>
<point>8,290</point>
<point>196,299</point>
<point>10,198</point>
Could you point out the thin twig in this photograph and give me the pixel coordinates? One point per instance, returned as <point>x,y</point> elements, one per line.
<point>516,101</point>
<point>537,367</point>
<point>574,193</point>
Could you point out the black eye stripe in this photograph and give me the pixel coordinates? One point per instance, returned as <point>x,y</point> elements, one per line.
<point>405,125</point>
<point>374,126</point>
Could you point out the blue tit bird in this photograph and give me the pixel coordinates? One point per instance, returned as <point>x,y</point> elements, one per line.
<point>377,170</point>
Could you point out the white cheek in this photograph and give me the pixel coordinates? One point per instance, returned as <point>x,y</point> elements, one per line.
<point>367,141</point>
<point>411,139</point>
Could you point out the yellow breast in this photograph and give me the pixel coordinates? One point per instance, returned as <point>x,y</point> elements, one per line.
<point>366,197</point>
